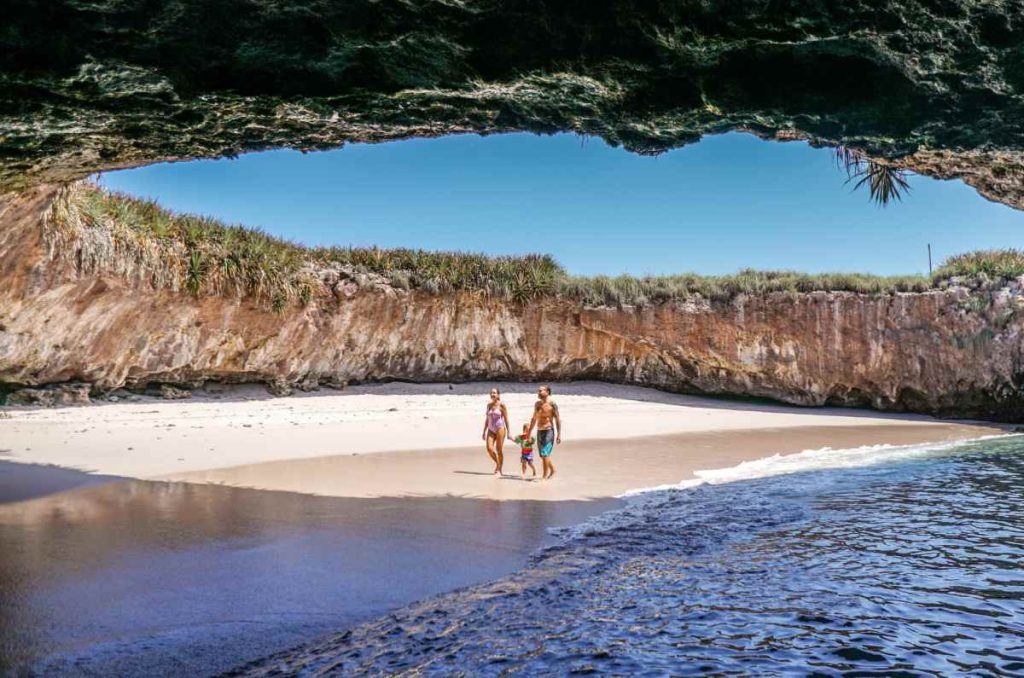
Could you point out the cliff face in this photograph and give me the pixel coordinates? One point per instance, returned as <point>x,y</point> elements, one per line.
<point>936,86</point>
<point>951,352</point>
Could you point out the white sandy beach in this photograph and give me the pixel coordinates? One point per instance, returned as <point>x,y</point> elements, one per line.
<point>246,438</point>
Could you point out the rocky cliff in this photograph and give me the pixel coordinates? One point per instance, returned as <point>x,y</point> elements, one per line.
<point>956,351</point>
<point>933,85</point>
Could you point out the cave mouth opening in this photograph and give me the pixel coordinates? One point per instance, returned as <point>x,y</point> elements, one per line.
<point>728,203</point>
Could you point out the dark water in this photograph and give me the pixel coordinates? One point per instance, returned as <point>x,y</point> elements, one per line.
<point>902,568</point>
<point>133,578</point>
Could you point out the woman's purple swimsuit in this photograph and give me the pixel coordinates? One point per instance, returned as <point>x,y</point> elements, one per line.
<point>495,420</point>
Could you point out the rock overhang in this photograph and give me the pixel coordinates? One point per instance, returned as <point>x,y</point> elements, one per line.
<point>934,86</point>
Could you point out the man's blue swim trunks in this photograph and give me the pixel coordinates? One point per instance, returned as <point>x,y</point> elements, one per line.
<point>546,441</point>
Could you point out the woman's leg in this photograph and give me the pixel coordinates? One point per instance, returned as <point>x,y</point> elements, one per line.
<point>499,448</point>
<point>490,449</point>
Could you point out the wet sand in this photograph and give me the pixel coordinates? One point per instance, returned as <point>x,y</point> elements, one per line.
<point>140,578</point>
<point>589,469</point>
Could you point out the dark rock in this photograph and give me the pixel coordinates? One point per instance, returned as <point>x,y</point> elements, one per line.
<point>120,394</point>
<point>32,396</point>
<point>308,384</point>
<point>279,386</point>
<point>168,392</point>
<point>73,394</point>
<point>937,87</point>
<point>334,382</point>
<point>50,396</point>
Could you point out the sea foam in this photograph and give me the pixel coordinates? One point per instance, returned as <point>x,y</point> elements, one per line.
<point>660,502</point>
<point>814,460</point>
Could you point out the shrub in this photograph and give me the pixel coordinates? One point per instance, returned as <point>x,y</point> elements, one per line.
<point>995,264</point>
<point>204,256</point>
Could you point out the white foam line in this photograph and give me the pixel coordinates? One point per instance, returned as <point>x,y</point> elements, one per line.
<point>812,460</point>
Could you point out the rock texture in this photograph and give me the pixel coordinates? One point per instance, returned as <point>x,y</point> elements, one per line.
<point>952,352</point>
<point>57,394</point>
<point>933,85</point>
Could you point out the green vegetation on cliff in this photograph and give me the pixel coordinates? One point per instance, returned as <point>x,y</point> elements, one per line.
<point>993,265</point>
<point>629,290</point>
<point>202,256</point>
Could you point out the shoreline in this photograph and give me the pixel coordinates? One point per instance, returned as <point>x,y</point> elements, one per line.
<point>165,439</point>
<point>588,470</point>
<point>361,556</point>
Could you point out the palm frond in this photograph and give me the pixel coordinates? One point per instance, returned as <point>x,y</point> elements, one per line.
<point>848,160</point>
<point>885,183</point>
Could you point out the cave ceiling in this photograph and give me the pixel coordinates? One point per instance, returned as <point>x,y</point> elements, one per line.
<point>85,86</point>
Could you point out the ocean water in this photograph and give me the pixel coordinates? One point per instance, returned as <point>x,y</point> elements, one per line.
<point>875,561</point>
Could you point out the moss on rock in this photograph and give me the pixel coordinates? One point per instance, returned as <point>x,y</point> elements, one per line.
<point>933,86</point>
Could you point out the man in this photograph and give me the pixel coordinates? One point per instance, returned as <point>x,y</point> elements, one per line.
<point>549,428</point>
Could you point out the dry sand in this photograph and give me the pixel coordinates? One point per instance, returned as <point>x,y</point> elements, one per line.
<point>617,438</point>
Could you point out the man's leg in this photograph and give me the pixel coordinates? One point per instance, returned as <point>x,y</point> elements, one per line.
<point>545,441</point>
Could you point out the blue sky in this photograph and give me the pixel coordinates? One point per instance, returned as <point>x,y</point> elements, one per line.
<point>726,203</point>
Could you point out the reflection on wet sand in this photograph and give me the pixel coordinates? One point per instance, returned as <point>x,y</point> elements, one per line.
<point>136,577</point>
<point>20,481</point>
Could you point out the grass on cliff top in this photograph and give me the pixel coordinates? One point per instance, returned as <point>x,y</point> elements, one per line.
<point>986,265</point>
<point>204,256</point>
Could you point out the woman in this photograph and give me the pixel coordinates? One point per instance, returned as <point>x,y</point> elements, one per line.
<point>496,430</point>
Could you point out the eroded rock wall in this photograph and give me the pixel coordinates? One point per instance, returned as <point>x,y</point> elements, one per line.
<point>954,352</point>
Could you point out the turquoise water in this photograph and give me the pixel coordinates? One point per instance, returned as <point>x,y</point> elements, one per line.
<point>908,563</point>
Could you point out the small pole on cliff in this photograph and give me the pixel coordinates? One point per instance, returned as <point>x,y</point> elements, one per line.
<point>929,260</point>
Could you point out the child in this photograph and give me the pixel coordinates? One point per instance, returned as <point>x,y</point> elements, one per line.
<point>525,443</point>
